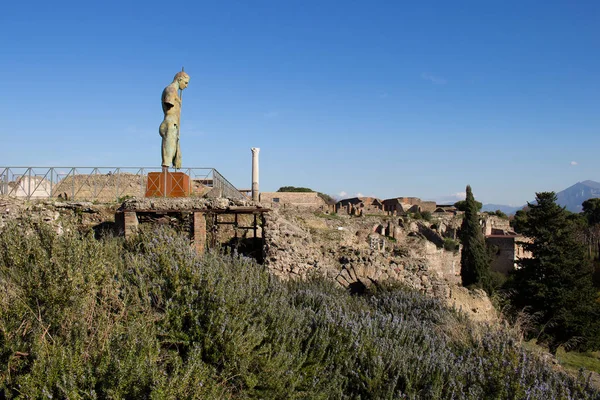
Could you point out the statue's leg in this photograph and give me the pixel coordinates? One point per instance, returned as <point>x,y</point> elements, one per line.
<point>177,161</point>
<point>169,146</point>
<point>162,130</point>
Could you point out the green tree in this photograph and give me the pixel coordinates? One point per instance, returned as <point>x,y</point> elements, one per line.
<point>500,214</point>
<point>462,205</point>
<point>591,211</point>
<point>555,286</point>
<point>294,189</point>
<point>474,260</point>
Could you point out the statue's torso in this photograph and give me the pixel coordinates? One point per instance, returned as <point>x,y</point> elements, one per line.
<point>171,104</point>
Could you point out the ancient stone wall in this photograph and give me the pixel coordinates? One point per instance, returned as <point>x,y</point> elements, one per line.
<point>428,206</point>
<point>360,206</point>
<point>299,245</point>
<point>56,214</point>
<point>493,225</point>
<point>357,253</point>
<point>400,205</point>
<point>504,260</point>
<point>305,200</point>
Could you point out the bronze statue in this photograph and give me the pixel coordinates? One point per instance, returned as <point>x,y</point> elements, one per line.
<point>169,128</point>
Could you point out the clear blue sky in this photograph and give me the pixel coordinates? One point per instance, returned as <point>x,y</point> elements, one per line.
<point>380,98</point>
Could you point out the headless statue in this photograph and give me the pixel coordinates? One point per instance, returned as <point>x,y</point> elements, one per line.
<point>169,128</point>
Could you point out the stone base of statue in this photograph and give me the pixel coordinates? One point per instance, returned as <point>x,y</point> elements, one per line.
<point>168,184</point>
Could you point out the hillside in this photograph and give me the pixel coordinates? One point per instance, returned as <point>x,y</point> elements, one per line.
<point>147,318</point>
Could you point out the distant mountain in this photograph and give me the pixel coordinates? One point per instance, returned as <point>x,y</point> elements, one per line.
<point>505,209</point>
<point>573,196</point>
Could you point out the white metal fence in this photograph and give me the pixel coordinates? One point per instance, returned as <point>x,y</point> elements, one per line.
<point>102,183</point>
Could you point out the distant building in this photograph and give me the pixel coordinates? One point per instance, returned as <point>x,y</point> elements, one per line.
<point>304,200</point>
<point>445,209</point>
<point>403,205</point>
<point>359,206</point>
<point>508,244</point>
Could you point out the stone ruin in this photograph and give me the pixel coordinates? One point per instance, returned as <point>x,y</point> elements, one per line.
<point>208,221</point>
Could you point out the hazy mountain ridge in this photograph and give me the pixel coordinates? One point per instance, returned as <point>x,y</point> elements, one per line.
<point>571,198</point>
<point>504,208</point>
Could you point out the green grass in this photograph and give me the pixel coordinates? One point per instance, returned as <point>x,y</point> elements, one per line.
<point>574,360</point>
<point>332,216</point>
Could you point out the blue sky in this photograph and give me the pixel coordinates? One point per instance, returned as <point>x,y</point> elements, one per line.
<point>379,98</point>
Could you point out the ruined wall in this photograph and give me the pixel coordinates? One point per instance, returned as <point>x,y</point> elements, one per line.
<point>510,250</point>
<point>402,205</point>
<point>305,200</point>
<point>360,205</point>
<point>504,260</point>
<point>492,225</point>
<point>410,200</point>
<point>302,244</point>
<point>445,264</point>
<point>56,214</point>
<point>428,206</point>
<point>519,249</point>
<point>355,253</point>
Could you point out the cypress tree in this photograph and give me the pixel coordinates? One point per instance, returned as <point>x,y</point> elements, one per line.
<point>474,261</point>
<point>555,286</point>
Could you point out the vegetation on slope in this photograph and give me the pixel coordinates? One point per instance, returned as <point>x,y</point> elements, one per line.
<point>146,318</point>
<point>474,258</point>
<point>555,286</point>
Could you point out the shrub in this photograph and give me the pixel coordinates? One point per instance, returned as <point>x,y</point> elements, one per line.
<point>147,318</point>
<point>450,244</point>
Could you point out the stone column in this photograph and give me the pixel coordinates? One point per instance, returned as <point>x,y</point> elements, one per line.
<point>126,223</point>
<point>255,151</point>
<point>199,232</point>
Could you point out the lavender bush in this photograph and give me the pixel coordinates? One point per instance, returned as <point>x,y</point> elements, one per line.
<point>146,318</point>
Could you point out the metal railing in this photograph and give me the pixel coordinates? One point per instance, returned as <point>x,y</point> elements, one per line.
<point>103,183</point>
